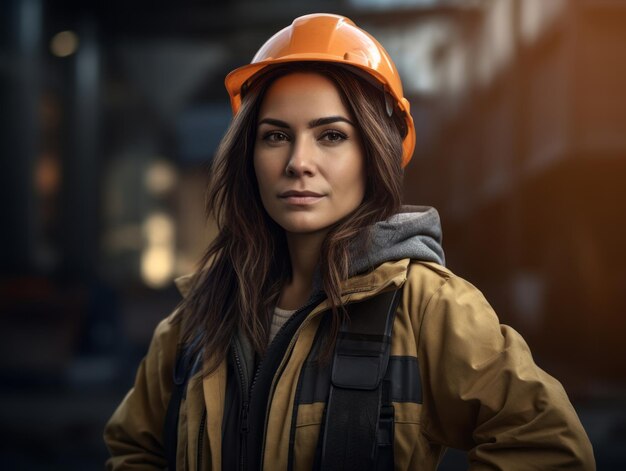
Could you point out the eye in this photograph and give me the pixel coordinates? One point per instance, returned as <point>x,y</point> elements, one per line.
<point>275,136</point>
<point>333,135</point>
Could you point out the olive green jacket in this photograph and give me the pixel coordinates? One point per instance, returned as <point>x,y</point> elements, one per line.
<point>481,390</point>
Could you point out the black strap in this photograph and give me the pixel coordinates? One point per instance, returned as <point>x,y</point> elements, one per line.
<point>384,436</point>
<point>358,425</point>
<point>185,367</point>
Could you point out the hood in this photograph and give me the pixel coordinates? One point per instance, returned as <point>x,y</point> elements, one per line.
<point>414,232</point>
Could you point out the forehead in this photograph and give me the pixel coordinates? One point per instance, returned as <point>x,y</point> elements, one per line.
<point>303,93</point>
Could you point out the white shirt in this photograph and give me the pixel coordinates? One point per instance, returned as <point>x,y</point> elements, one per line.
<point>280,317</point>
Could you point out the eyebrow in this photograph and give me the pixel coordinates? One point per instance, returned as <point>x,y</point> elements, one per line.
<point>311,124</point>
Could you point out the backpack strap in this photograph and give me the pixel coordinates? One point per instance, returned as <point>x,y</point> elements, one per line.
<point>358,425</point>
<point>185,367</point>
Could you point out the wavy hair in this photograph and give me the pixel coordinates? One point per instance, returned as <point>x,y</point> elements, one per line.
<point>243,270</point>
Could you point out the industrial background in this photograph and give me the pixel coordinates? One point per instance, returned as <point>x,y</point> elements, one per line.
<point>111,112</point>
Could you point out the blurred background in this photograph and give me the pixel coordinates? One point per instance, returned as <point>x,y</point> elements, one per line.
<point>111,112</point>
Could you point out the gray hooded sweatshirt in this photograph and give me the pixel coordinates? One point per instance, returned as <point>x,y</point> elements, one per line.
<point>414,232</point>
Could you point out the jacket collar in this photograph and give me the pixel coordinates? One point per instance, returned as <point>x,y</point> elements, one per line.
<point>385,276</point>
<point>184,283</point>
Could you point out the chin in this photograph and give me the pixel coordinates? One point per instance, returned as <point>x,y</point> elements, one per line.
<point>303,228</point>
<point>303,225</point>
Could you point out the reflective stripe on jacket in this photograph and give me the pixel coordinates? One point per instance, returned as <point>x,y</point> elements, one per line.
<point>481,390</point>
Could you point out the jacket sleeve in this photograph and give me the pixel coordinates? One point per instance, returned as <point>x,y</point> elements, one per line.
<point>133,434</point>
<point>484,393</point>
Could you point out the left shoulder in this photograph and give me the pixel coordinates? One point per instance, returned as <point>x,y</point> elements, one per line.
<point>424,280</point>
<point>434,294</point>
<point>429,279</point>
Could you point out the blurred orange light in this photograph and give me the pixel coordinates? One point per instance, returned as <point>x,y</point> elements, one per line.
<point>47,175</point>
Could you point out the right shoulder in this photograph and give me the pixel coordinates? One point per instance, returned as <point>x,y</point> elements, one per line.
<point>167,333</point>
<point>162,354</point>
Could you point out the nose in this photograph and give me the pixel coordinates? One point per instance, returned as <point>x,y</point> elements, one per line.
<point>301,160</point>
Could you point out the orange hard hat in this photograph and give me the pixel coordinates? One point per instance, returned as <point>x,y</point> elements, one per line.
<point>327,38</point>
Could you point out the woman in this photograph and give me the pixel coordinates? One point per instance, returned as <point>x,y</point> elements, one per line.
<point>306,187</point>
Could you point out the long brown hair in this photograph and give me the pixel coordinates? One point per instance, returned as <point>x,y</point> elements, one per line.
<point>244,268</point>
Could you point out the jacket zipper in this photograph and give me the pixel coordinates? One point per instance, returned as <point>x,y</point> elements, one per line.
<point>200,441</point>
<point>244,435</point>
<point>247,393</point>
<point>245,407</point>
<point>315,300</point>
<point>246,404</point>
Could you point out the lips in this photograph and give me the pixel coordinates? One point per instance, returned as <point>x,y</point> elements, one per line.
<point>300,197</point>
<point>298,193</point>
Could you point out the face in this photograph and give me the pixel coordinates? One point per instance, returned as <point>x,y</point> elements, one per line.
<point>308,156</point>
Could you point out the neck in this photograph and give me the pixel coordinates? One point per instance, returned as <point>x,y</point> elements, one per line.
<point>304,252</point>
